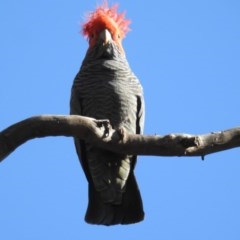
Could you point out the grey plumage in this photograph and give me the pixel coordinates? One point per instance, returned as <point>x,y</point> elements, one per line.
<point>106,88</point>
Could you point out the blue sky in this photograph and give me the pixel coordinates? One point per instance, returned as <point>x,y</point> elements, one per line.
<point>187,56</point>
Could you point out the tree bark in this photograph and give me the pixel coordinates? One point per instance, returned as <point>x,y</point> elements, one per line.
<point>101,134</point>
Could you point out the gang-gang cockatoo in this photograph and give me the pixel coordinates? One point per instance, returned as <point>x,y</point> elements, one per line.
<point>106,88</point>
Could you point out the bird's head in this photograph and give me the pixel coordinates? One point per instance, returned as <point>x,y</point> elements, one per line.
<point>105,25</point>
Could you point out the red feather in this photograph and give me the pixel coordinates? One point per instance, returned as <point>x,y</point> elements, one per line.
<point>106,17</point>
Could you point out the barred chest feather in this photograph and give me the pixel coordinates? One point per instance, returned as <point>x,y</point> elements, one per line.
<point>108,90</point>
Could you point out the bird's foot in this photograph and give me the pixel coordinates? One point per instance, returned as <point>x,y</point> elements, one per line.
<point>121,133</point>
<point>105,123</point>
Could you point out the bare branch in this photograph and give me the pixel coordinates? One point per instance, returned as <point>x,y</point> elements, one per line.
<point>100,133</point>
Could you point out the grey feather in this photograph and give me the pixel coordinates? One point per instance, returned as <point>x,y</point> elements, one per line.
<point>106,88</point>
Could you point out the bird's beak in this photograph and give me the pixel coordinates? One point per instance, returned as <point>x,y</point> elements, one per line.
<point>105,36</point>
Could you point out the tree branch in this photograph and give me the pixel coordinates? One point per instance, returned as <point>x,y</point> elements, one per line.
<point>101,134</point>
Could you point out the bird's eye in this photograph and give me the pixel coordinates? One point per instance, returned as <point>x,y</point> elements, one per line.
<point>92,35</point>
<point>119,36</point>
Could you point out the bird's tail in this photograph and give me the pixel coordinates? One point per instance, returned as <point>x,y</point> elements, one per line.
<point>130,210</point>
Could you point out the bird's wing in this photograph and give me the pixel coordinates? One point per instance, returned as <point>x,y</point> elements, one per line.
<point>140,118</point>
<point>75,109</point>
<point>140,114</point>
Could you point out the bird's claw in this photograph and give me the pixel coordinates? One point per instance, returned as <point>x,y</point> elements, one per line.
<point>106,124</point>
<point>121,133</point>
